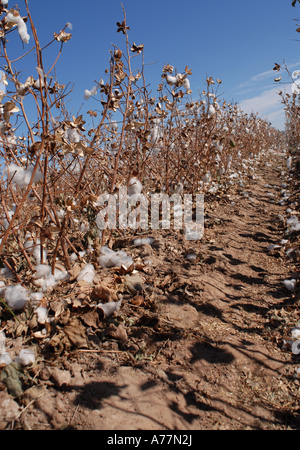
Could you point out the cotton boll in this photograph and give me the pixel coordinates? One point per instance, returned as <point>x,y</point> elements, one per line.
<point>36,297</point>
<point>295,333</point>
<point>2,341</point>
<point>6,272</point>
<point>42,270</point>
<point>211,111</point>
<point>110,258</point>
<point>16,297</point>
<point>87,274</point>
<point>46,283</point>
<point>74,257</point>
<point>4,2</point>
<point>73,135</point>
<point>186,84</point>
<point>42,315</point>
<point>26,357</point>
<point>135,187</point>
<point>290,284</point>
<point>61,275</point>
<point>15,19</point>
<point>4,356</point>
<point>170,79</point>
<point>89,93</point>
<point>22,29</point>
<point>2,288</point>
<point>22,177</point>
<point>144,241</point>
<point>207,177</point>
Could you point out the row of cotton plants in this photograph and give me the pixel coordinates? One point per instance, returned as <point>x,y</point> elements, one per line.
<point>55,171</point>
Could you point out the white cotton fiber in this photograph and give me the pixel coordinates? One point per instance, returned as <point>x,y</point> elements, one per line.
<point>2,288</point>
<point>143,241</point>
<point>2,341</point>
<point>42,314</point>
<point>73,256</point>
<point>87,274</point>
<point>211,111</point>
<point>22,29</point>
<point>13,17</point>
<point>61,275</point>
<point>26,357</point>
<point>293,223</point>
<point>170,79</point>
<point>110,258</point>
<point>22,177</point>
<point>73,135</point>
<point>295,333</point>
<point>290,284</point>
<point>16,297</point>
<point>42,270</point>
<point>4,2</point>
<point>89,93</point>
<point>35,250</point>
<point>187,84</point>
<point>134,187</point>
<point>36,297</point>
<point>4,356</point>
<point>46,283</point>
<point>44,278</point>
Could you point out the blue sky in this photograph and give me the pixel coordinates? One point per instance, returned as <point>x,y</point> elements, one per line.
<point>235,41</point>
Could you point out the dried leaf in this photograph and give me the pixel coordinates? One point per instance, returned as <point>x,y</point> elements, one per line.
<point>122,27</point>
<point>138,300</point>
<point>92,113</point>
<point>76,333</point>
<point>117,332</point>
<point>104,293</point>
<point>91,318</point>
<point>136,48</point>
<point>62,36</point>
<point>188,71</point>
